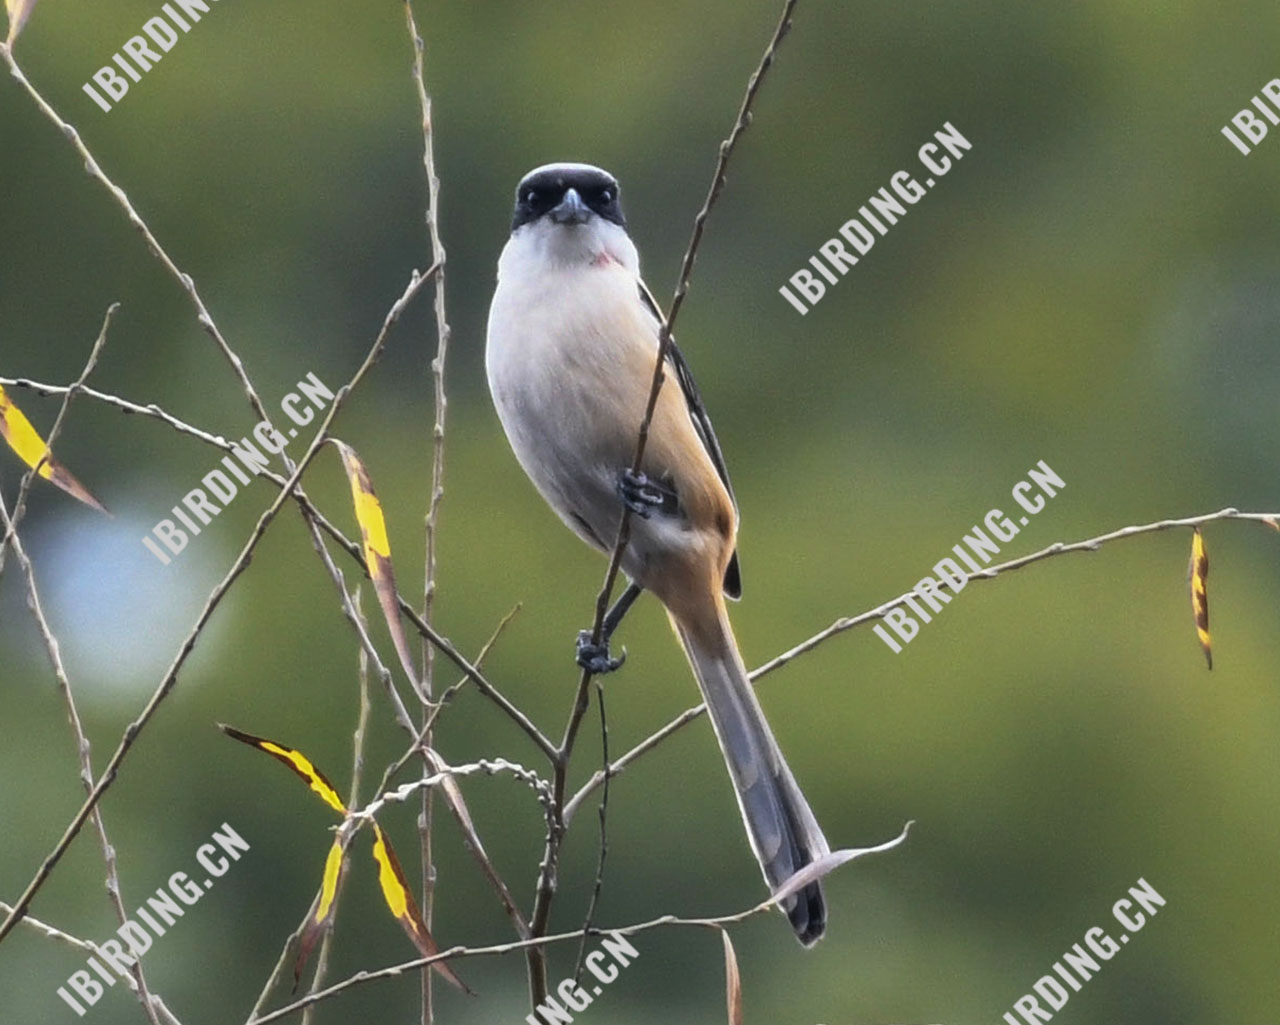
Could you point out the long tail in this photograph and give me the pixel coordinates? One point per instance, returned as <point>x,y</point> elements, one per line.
<point>783,832</point>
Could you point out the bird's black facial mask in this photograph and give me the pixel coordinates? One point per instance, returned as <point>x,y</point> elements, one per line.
<point>543,191</point>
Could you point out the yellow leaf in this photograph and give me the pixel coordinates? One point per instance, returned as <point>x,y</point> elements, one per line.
<point>1200,593</point>
<point>377,551</point>
<point>16,429</point>
<point>296,760</point>
<point>329,886</point>
<point>19,11</point>
<point>400,900</point>
<point>322,919</point>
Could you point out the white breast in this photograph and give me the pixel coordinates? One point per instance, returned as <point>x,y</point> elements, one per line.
<point>566,331</point>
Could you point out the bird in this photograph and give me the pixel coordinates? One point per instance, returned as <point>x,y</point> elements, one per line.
<point>571,347</point>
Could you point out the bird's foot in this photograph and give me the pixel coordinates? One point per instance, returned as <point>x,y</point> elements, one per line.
<point>595,658</point>
<point>642,495</point>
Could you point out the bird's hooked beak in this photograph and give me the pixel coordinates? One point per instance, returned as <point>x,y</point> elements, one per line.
<point>572,210</point>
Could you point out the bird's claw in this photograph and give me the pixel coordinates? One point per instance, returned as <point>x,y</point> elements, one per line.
<point>595,658</point>
<point>640,494</point>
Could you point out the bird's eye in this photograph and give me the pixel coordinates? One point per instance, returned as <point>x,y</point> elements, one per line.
<point>531,196</point>
<point>606,195</point>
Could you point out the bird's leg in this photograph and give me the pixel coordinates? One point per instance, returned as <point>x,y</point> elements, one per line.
<point>642,494</point>
<point>595,658</point>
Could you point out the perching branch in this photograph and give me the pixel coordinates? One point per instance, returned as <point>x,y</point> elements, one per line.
<point>547,872</point>
<point>589,921</point>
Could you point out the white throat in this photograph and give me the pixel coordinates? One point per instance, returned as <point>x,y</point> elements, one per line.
<point>545,245</point>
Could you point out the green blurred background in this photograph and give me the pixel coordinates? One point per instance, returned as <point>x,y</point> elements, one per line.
<point>1094,285</point>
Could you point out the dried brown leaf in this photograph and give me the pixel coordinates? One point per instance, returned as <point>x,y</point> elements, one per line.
<point>732,980</point>
<point>829,862</point>
<point>19,11</point>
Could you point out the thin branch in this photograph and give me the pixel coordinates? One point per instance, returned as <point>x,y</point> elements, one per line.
<point>478,678</point>
<point>547,872</point>
<point>435,763</point>
<point>438,257</point>
<point>482,766</point>
<point>438,772</point>
<point>880,611</point>
<point>445,698</point>
<point>125,406</point>
<point>589,921</point>
<point>54,653</point>
<point>88,947</point>
<point>497,949</point>
<point>241,561</point>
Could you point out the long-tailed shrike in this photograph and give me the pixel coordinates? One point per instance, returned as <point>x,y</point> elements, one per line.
<point>573,337</point>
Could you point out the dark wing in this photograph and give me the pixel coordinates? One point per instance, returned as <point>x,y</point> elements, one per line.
<point>702,424</point>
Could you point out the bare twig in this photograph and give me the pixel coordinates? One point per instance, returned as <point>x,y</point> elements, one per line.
<point>54,653</point>
<point>497,949</point>
<point>436,764</point>
<point>880,611</point>
<point>238,566</point>
<point>482,766</point>
<point>589,920</point>
<point>437,771</point>
<point>124,405</point>
<point>438,257</point>
<point>85,946</point>
<point>445,698</point>
<point>547,873</point>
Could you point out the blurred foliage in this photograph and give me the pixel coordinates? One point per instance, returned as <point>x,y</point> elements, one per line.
<point>1095,285</point>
